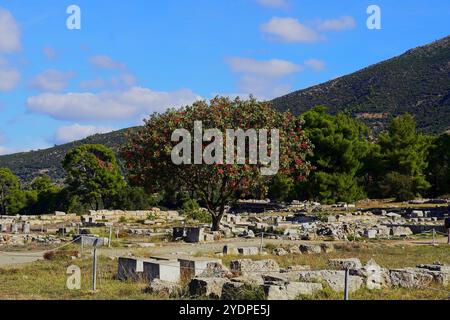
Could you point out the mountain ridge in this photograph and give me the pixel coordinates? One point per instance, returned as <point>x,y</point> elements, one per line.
<point>417,82</point>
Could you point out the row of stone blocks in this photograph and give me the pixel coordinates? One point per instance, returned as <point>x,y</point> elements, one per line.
<point>15,227</point>
<point>165,269</point>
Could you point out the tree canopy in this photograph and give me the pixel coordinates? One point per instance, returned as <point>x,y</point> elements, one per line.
<point>148,152</point>
<point>93,174</point>
<point>9,185</point>
<point>404,152</point>
<point>340,146</point>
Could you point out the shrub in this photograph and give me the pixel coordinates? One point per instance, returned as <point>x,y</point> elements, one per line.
<point>192,210</point>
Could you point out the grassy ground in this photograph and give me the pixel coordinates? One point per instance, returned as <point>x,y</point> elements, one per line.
<point>387,255</point>
<point>47,279</point>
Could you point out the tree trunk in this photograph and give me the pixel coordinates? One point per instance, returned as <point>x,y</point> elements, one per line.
<point>216,220</point>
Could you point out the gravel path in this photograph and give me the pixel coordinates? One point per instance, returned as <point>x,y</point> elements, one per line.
<point>19,258</point>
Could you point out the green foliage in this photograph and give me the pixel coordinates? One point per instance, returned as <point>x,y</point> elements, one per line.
<point>404,151</point>
<point>148,152</point>
<point>133,198</point>
<point>93,174</point>
<point>340,146</point>
<point>438,171</point>
<point>20,201</point>
<point>9,187</point>
<point>398,185</point>
<point>281,188</point>
<point>49,197</point>
<point>28,165</point>
<point>44,184</point>
<point>192,210</point>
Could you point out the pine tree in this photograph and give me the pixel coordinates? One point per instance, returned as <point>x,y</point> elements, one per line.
<point>340,145</point>
<point>403,156</point>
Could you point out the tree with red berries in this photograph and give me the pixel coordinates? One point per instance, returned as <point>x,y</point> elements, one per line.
<point>148,152</point>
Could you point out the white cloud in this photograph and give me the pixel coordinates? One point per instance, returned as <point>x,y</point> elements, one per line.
<point>76,131</point>
<point>105,62</point>
<point>315,64</point>
<point>5,151</point>
<point>50,53</point>
<point>265,79</point>
<point>51,80</point>
<point>124,80</point>
<point>9,33</point>
<point>273,3</point>
<point>263,88</point>
<point>9,78</point>
<point>109,105</point>
<point>269,68</point>
<point>290,30</point>
<point>339,24</point>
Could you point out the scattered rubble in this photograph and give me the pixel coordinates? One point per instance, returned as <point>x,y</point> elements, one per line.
<point>209,278</point>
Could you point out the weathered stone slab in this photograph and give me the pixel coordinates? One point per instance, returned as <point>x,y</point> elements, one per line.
<point>215,270</point>
<point>401,231</point>
<point>343,264</point>
<point>230,249</point>
<point>248,251</point>
<point>164,287</point>
<point>334,279</point>
<point>194,266</point>
<point>310,249</point>
<point>250,279</point>
<point>90,241</point>
<point>163,270</point>
<point>410,278</point>
<point>291,291</point>
<point>245,266</point>
<point>207,287</point>
<point>375,277</point>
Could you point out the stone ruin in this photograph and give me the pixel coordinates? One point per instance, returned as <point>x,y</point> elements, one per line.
<point>208,277</point>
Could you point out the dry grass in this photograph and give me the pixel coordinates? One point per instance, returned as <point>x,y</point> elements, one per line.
<point>386,255</point>
<point>47,279</point>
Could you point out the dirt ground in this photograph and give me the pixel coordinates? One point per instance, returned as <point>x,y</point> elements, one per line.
<point>8,258</point>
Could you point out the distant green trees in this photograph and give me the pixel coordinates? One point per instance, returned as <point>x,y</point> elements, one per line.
<point>93,175</point>
<point>281,188</point>
<point>9,186</point>
<point>402,158</point>
<point>349,165</point>
<point>340,147</point>
<point>438,170</point>
<point>94,181</point>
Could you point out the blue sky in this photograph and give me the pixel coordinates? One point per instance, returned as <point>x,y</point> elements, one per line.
<point>134,57</point>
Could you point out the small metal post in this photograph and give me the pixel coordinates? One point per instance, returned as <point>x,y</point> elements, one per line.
<point>347,278</point>
<point>82,245</point>
<point>434,237</point>
<point>94,268</point>
<point>110,236</point>
<point>448,232</point>
<point>262,243</point>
